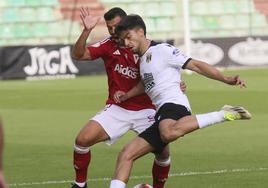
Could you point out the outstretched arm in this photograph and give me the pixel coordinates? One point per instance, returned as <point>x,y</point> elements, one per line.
<point>80,51</point>
<point>121,96</point>
<point>213,73</point>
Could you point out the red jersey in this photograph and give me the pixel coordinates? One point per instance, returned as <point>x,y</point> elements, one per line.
<point>122,69</point>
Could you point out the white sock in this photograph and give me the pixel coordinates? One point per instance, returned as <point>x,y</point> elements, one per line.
<point>80,184</point>
<point>81,149</point>
<point>117,184</point>
<point>211,118</point>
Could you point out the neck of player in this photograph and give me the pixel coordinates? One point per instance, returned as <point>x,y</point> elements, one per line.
<point>145,44</point>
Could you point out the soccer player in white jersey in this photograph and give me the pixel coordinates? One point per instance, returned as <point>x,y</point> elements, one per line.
<point>160,67</point>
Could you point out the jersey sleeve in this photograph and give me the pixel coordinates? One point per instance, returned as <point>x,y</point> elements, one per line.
<point>175,57</point>
<point>97,50</point>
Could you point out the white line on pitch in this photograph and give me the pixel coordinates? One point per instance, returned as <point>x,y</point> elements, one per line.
<point>180,174</point>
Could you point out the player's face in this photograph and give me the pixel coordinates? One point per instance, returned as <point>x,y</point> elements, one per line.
<point>132,39</point>
<point>111,25</point>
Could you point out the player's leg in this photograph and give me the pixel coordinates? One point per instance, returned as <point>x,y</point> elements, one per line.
<point>171,130</point>
<point>132,151</point>
<point>161,167</point>
<point>89,135</point>
<point>142,120</point>
<point>108,125</point>
<point>147,141</point>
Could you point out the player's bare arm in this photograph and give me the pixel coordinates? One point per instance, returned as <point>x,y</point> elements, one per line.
<point>213,73</point>
<point>121,96</point>
<point>80,51</point>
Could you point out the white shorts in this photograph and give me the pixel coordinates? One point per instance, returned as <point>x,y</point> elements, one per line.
<point>116,121</point>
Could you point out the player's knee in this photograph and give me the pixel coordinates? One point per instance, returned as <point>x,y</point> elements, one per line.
<point>82,140</point>
<point>178,133</point>
<point>125,155</point>
<point>166,136</point>
<point>171,135</point>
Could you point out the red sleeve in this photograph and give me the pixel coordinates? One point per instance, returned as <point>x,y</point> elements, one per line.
<point>98,50</point>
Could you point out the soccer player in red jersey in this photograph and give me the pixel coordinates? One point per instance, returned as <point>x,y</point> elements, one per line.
<point>115,119</point>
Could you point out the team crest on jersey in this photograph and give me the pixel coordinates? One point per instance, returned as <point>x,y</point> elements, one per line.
<point>136,58</point>
<point>126,56</point>
<point>176,51</point>
<point>148,57</point>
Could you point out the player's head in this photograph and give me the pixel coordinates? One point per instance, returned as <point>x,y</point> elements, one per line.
<point>112,19</point>
<point>132,31</point>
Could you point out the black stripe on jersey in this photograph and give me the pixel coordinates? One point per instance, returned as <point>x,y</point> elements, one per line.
<point>184,65</point>
<point>153,43</point>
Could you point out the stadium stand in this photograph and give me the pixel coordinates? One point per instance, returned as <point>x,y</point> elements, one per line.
<point>162,17</point>
<point>228,18</point>
<point>26,22</point>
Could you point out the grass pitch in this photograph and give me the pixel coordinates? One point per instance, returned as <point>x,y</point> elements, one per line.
<point>42,119</point>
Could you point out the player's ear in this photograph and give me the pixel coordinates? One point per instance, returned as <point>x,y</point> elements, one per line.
<point>140,31</point>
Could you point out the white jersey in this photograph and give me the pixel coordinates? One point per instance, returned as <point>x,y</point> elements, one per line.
<point>160,70</point>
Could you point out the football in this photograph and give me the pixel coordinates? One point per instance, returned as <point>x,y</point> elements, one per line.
<point>143,185</point>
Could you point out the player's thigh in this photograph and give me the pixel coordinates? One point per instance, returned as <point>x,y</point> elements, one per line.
<point>166,128</point>
<point>91,133</point>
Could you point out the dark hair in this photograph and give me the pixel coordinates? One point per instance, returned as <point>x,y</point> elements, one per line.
<point>130,22</point>
<point>112,13</point>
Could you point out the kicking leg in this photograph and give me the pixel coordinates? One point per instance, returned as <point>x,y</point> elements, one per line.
<point>171,130</point>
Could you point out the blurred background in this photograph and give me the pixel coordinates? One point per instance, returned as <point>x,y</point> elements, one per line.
<point>36,35</point>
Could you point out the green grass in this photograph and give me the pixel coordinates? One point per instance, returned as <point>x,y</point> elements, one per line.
<point>42,119</point>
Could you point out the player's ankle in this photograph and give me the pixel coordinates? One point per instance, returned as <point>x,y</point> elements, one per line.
<point>117,184</point>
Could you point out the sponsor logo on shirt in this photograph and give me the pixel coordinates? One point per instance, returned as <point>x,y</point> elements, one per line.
<point>116,52</point>
<point>150,118</point>
<point>126,71</point>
